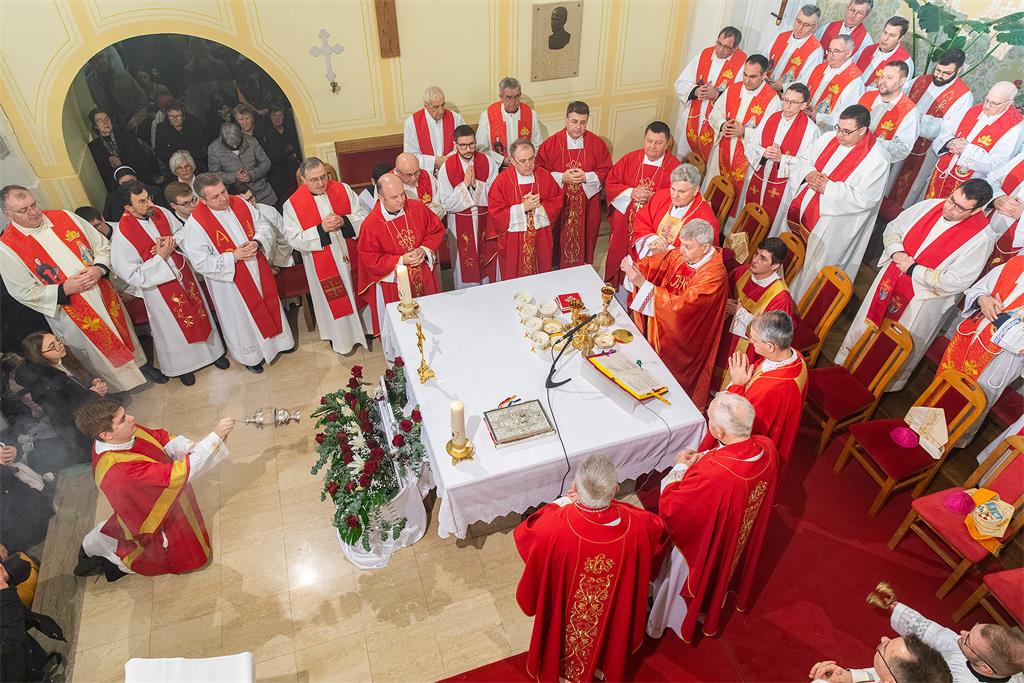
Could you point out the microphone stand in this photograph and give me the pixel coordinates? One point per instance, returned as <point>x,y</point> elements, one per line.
<point>550,382</point>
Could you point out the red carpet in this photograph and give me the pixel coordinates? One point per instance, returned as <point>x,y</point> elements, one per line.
<point>822,557</point>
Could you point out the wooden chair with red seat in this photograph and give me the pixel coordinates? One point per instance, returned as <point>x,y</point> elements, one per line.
<point>795,260</point>
<point>894,467</point>
<point>292,282</point>
<point>944,530</point>
<point>818,310</point>
<point>137,313</point>
<point>841,395</point>
<point>1007,587</point>
<point>720,195</point>
<point>697,161</point>
<point>754,222</point>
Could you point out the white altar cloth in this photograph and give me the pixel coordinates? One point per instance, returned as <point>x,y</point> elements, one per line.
<point>475,344</point>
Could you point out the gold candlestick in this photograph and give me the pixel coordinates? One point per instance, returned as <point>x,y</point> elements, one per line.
<point>423,370</point>
<point>605,318</point>
<point>409,310</point>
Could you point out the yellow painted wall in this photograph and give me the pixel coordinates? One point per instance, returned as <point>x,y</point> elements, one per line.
<point>630,56</point>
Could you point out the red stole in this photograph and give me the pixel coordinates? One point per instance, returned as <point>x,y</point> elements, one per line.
<point>896,289</point>
<point>1004,248</point>
<point>913,163</point>
<point>790,145</point>
<point>152,501</point>
<point>832,32</point>
<point>117,348</point>
<point>971,349</point>
<point>899,54</point>
<point>947,177</point>
<point>475,254</point>
<point>734,165</point>
<point>808,217</point>
<point>890,122</point>
<point>263,303</point>
<point>419,122</point>
<point>778,399</point>
<point>499,141</point>
<point>830,94</point>
<point>182,298</point>
<point>796,60</point>
<point>717,516</point>
<point>698,131</point>
<point>423,187</point>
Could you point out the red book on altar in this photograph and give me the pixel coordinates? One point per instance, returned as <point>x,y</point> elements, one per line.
<point>565,301</point>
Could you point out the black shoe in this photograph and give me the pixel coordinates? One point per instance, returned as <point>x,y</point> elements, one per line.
<point>291,350</point>
<point>255,369</point>
<point>111,571</point>
<point>153,375</point>
<point>222,363</point>
<point>188,379</point>
<point>88,565</point>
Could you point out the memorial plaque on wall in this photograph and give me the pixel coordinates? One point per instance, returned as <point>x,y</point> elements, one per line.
<point>556,40</point>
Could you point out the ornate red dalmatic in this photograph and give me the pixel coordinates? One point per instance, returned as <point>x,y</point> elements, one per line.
<point>117,348</point>
<point>797,59</point>
<point>156,522</point>
<point>528,252</point>
<point>717,516</point>
<point>499,141</point>
<point>263,302</point>
<point>586,586</point>
<point>478,248</point>
<point>832,31</point>
<point>768,191</point>
<point>419,122</point>
<point>383,242</point>
<point>807,216</point>
<point>890,122</point>
<point>654,218</point>
<point>732,163</point>
<point>628,172</point>
<point>897,55</point>
<point>971,349</point>
<point>698,131</point>
<point>940,105</point>
<point>829,95</point>
<point>689,307</point>
<point>1004,249</point>
<point>947,175</point>
<point>778,399</point>
<point>580,220</point>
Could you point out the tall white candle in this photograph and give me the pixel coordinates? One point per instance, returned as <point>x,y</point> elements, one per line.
<point>404,290</point>
<point>458,424</point>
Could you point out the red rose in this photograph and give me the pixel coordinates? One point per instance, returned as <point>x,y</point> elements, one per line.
<point>377,453</point>
<point>416,415</point>
<point>320,438</point>
<point>364,480</point>
<point>353,403</point>
<point>364,415</point>
<point>389,373</point>
<point>332,417</point>
<point>353,383</point>
<point>332,488</point>
<point>357,370</point>
<point>399,363</point>
<point>371,444</point>
<point>350,486</point>
<point>398,441</point>
<point>323,400</point>
<point>346,458</point>
<point>406,425</point>
<point>352,521</point>
<point>370,467</point>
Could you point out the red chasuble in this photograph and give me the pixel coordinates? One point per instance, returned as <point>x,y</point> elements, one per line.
<point>806,214</point>
<point>755,299</point>
<point>897,55</point>
<point>769,194</point>
<point>1004,249</point>
<point>383,242</point>
<point>528,252</point>
<point>499,141</point>
<point>655,218</point>
<point>580,220</point>
<point>972,349</point>
<point>796,60</point>
<point>419,122</point>
<point>628,172</point>
<point>733,164</point>
<point>689,306</point>
<point>778,399</point>
<point>116,345</point>
<point>913,163</point>
<point>947,175</point>
<point>896,289</point>
<point>698,130</point>
<point>829,95</point>
<point>152,500</point>
<point>586,585</point>
<point>890,122</point>
<point>478,249</point>
<point>717,516</point>
<point>182,297</point>
<point>859,33</point>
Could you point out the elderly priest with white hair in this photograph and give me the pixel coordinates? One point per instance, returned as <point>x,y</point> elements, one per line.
<point>605,553</point>
<point>715,505</point>
<point>429,132</point>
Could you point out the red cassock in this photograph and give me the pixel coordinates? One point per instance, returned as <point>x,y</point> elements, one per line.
<point>382,243</point>
<point>152,501</point>
<point>580,221</point>
<point>655,218</point>
<point>717,516</point>
<point>528,252</point>
<point>586,585</point>
<point>689,307</point>
<point>778,399</point>
<point>628,172</point>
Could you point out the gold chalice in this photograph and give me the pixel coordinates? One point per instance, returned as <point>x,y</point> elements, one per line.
<point>605,318</point>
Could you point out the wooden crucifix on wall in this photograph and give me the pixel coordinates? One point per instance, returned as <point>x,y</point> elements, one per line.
<point>387,28</point>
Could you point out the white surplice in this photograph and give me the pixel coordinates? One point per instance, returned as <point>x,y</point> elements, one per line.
<point>684,85</point>
<point>902,142</point>
<point>880,57</point>
<point>26,289</point>
<point>848,211</point>
<point>849,95</point>
<point>974,157</point>
<point>717,119</point>
<point>1000,222</point>
<point>347,332</point>
<point>174,354</point>
<point>934,288</point>
<point>281,254</point>
<point>411,141</point>
<point>484,136</point>
<point>461,199</point>
<point>792,45</point>
<point>243,339</point>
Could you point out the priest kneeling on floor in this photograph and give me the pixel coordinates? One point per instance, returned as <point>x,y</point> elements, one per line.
<point>715,505</point>
<point>589,562</point>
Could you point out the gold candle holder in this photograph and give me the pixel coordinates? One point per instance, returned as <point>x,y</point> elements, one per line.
<point>605,318</point>
<point>883,596</point>
<point>423,370</point>
<point>409,310</point>
<point>459,454</point>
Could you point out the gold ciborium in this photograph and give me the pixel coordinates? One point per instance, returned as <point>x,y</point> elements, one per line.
<point>583,338</point>
<point>605,318</point>
<point>883,596</point>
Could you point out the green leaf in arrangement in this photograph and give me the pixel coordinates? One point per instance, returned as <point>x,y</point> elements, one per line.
<point>1008,20</point>
<point>975,25</point>
<point>1013,37</point>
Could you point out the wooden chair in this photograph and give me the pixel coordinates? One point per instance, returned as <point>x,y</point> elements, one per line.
<point>895,468</point>
<point>841,395</point>
<point>332,173</point>
<point>754,222</point>
<point>697,161</point>
<point>818,310</point>
<point>720,194</point>
<point>795,261</point>
<point>1007,587</point>
<point>944,530</point>
<point>798,229</point>
<point>292,282</point>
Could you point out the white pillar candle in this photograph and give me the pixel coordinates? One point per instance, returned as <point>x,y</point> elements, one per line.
<point>458,424</point>
<point>404,290</point>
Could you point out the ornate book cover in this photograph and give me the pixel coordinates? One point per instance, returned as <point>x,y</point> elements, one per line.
<point>518,422</point>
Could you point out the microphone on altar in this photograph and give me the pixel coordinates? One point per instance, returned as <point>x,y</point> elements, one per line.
<point>550,382</point>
